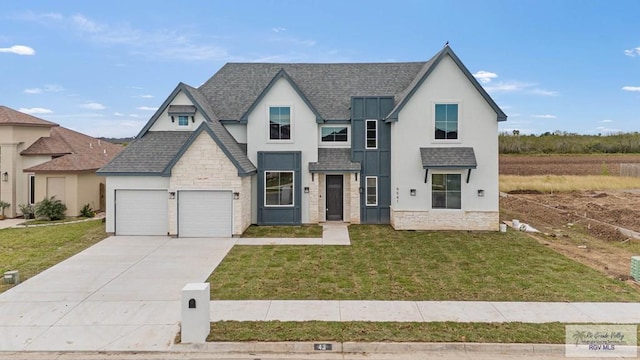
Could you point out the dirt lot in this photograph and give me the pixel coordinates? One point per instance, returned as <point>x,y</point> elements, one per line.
<point>564,164</point>
<point>580,224</point>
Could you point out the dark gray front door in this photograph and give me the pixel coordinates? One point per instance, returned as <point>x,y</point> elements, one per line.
<point>334,197</point>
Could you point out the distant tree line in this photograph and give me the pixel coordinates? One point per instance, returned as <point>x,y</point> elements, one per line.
<point>561,142</point>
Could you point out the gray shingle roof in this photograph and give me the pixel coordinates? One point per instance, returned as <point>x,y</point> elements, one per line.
<point>448,157</point>
<point>334,159</point>
<point>149,155</point>
<point>329,87</point>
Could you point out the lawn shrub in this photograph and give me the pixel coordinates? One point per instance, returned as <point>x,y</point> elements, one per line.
<point>50,209</point>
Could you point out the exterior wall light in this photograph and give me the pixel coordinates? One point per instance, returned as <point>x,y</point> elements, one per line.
<point>236,195</point>
<point>172,194</point>
<point>5,176</point>
<point>480,193</point>
<point>306,189</point>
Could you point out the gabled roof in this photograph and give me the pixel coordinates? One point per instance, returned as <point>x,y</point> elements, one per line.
<point>9,116</point>
<point>334,159</point>
<point>426,70</point>
<point>233,90</point>
<point>448,157</point>
<point>76,152</point>
<point>281,75</point>
<point>155,152</point>
<point>234,153</point>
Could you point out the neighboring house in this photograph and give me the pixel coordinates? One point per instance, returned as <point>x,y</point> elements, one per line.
<point>39,158</point>
<point>414,145</point>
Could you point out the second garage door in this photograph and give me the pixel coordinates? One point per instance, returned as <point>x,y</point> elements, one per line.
<point>141,212</point>
<point>205,213</point>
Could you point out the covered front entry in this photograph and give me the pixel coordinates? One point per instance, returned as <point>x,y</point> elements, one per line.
<point>205,213</point>
<point>141,212</point>
<point>334,197</point>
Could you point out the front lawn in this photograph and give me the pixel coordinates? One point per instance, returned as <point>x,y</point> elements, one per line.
<point>32,250</point>
<point>383,264</point>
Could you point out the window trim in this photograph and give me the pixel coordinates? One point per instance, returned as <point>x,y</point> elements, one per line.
<point>461,191</point>
<point>433,127</point>
<point>346,143</point>
<point>293,189</point>
<point>31,189</point>
<point>366,190</point>
<point>366,133</point>
<point>268,125</point>
<point>185,117</point>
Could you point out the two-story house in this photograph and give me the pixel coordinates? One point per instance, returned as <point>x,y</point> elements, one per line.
<point>414,145</point>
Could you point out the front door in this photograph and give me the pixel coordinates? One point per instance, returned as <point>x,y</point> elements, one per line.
<point>334,197</point>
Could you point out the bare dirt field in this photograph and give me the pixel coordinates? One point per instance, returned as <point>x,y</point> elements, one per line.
<point>600,164</point>
<point>580,224</point>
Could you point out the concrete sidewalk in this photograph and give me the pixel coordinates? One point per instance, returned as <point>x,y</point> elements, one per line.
<point>424,311</point>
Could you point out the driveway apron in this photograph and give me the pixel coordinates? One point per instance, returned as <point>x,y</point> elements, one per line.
<point>121,294</point>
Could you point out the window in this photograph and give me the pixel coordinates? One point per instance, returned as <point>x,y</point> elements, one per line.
<point>278,188</point>
<point>446,121</point>
<point>32,189</point>
<point>372,134</point>
<point>446,191</point>
<point>183,120</point>
<point>372,190</point>
<point>334,134</point>
<point>280,123</point>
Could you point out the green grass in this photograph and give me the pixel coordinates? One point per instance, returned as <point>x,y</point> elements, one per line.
<point>548,333</point>
<point>383,264</point>
<point>62,221</point>
<point>304,231</point>
<point>33,250</point>
<point>566,183</point>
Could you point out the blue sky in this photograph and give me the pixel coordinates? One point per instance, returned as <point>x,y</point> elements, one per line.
<point>103,67</point>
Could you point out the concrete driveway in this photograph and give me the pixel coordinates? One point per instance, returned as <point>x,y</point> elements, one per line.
<point>121,294</point>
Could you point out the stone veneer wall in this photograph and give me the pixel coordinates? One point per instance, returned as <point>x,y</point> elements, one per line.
<point>204,166</point>
<point>444,220</point>
<point>322,212</point>
<point>353,195</point>
<point>314,198</point>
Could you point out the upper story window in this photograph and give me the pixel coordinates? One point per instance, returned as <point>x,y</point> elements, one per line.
<point>334,135</point>
<point>446,191</point>
<point>371,130</point>
<point>279,123</point>
<point>183,120</point>
<point>446,122</point>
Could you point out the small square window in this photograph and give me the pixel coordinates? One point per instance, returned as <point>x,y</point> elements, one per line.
<point>183,120</point>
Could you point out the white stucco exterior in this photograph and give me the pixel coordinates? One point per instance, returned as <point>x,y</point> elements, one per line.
<point>238,131</point>
<point>163,123</point>
<point>304,134</point>
<point>477,128</point>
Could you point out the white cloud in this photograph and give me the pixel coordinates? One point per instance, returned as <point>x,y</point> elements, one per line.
<point>485,77</point>
<point>146,108</point>
<point>543,92</point>
<point>632,52</point>
<point>544,116</point>
<point>134,115</point>
<point>606,121</point>
<point>631,88</point>
<point>35,110</point>
<point>518,86</point>
<point>118,114</point>
<point>278,29</point>
<point>33,91</point>
<point>93,106</point>
<point>84,24</point>
<point>146,96</point>
<point>18,50</point>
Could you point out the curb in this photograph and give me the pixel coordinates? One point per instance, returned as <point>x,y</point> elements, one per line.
<point>371,348</point>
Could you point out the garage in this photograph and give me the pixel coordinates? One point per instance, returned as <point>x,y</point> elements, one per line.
<point>141,212</point>
<point>205,213</point>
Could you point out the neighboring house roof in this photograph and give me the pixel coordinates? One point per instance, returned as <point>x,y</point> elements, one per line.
<point>9,116</point>
<point>448,157</point>
<point>74,151</point>
<point>334,159</point>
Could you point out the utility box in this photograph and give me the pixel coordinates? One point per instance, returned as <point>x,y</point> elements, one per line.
<point>196,302</point>
<point>12,277</point>
<point>635,268</point>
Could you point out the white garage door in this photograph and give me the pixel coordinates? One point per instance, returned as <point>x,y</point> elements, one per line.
<point>141,212</point>
<point>204,213</point>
